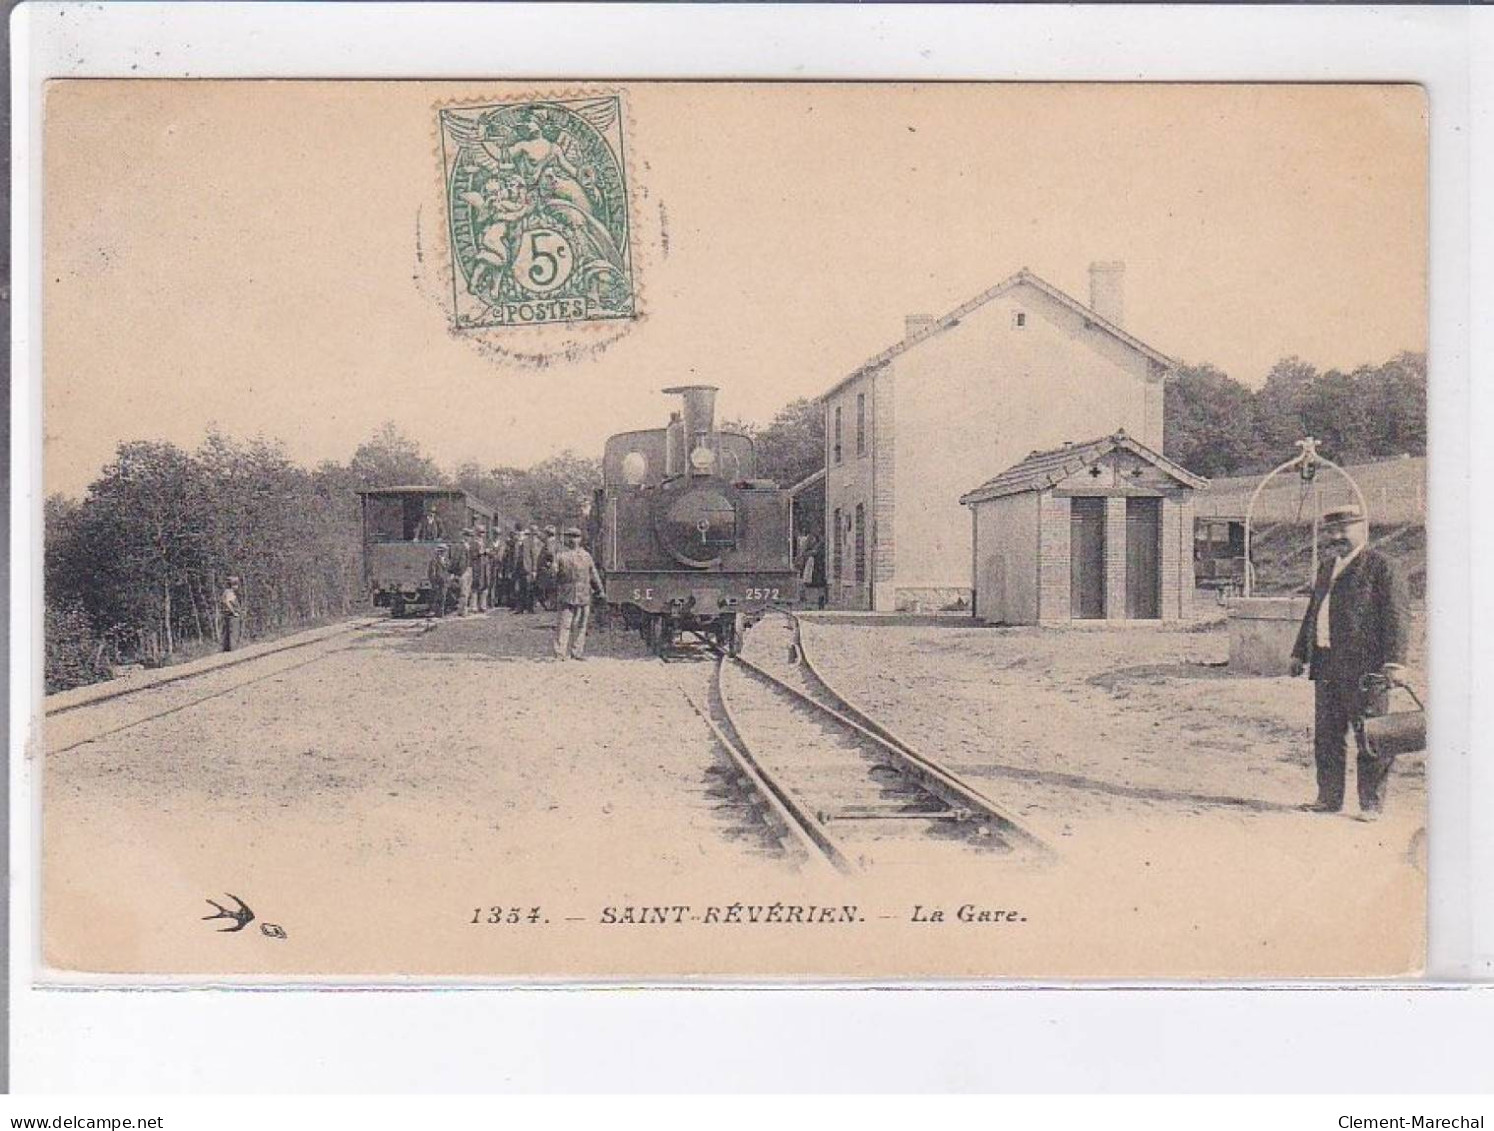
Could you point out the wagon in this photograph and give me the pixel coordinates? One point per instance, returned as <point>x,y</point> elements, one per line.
<point>397,546</point>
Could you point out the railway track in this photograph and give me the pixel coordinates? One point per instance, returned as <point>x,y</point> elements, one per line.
<point>838,787</point>
<point>99,711</point>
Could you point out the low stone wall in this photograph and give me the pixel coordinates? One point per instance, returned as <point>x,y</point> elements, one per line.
<point>1262,631</point>
<point>933,600</point>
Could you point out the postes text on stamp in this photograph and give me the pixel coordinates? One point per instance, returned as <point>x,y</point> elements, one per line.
<point>537,203</point>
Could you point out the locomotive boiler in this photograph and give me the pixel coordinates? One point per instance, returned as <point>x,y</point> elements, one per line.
<point>687,538</point>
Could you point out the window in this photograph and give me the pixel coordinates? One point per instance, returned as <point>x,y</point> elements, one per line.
<point>391,519</point>
<point>837,433</point>
<point>1019,320</point>
<point>861,424</point>
<point>860,544</point>
<point>837,545</point>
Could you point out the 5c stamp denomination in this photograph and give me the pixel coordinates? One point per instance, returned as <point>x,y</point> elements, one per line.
<point>537,205</point>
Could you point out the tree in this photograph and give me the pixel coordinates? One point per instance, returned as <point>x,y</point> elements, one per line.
<point>142,558</point>
<point>141,530</point>
<point>1394,396</point>
<point>559,490</point>
<point>1278,411</point>
<point>61,520</point>
<point>793,443</point>
<point>1333,413</point>
<point>390,459</point>
<point>74,655</point>
<point>1208,421</point>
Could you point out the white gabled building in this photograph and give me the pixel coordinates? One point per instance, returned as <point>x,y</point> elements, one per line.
<point>1101,530</point>
<point>1020,367</point>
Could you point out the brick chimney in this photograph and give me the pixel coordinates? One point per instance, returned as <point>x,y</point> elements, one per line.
<point>917,324</point>
<point>1107,290</point>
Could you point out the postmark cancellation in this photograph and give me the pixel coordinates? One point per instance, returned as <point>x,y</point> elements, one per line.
<point>537,208</point>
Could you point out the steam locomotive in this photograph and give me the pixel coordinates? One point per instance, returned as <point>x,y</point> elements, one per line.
<point>687,538</point>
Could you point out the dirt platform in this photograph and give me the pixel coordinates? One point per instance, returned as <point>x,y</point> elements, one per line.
<point>449,800</point>
<point>406,779</point>
<point>1083,723</point>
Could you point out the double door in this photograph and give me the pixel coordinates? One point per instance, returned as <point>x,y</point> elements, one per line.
<point>1087,558</point>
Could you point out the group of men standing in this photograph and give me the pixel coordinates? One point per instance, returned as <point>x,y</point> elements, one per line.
<point>513,571</point>
<point>526,567</point>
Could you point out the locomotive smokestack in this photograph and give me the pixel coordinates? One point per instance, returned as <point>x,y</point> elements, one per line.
<point>700,408</point>
<point>700,417</point>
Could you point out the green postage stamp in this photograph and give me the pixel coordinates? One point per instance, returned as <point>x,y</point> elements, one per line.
<point>537,204</point>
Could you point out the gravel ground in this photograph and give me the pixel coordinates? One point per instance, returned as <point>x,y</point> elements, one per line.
<point>1083,723</point>
<point>375,796</point>
<point>404,772</point>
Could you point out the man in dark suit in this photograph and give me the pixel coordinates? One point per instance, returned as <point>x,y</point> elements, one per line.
<point>438,574</point>
<point>526,569</point>
<point>1357,624</point>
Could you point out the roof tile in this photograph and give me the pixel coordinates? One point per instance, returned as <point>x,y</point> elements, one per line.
<point>1041,470</point>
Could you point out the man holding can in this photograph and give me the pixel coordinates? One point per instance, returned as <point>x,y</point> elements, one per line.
<point>1357,624</point>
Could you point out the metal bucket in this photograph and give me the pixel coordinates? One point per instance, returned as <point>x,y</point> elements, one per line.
<point>1392,732</point>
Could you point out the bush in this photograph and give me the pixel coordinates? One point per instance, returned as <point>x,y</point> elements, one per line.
<point>75,655</point>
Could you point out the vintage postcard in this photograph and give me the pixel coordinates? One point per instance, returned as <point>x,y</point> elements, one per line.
<point>588,531</point>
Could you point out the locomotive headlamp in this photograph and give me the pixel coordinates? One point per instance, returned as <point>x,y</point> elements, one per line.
<point>702,459</point>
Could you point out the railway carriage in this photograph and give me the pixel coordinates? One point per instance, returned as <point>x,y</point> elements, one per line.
<point>687,538</point>
<point>397,552</point>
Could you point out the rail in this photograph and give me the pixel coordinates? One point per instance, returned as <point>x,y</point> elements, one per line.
<point>770,774</point>
<point>963,797</point>
<point>90,694</point>
<point>789,815</point>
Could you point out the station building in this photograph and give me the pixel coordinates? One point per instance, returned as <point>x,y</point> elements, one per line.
<point>1020,367</point>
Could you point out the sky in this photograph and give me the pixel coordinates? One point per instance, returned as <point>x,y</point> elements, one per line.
<point>269,258</point>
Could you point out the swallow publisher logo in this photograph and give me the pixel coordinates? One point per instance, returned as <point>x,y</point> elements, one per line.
<point>241,917</point>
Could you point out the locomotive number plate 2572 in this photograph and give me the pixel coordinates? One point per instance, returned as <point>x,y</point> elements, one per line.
<point>643,594</point>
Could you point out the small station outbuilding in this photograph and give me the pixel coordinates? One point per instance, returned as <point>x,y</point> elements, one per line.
<point>1095,531</point>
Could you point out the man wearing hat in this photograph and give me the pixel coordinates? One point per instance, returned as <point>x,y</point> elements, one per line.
<point>508,556</point>
<point>229,611</point>
<point>526,567</point>
<point>576,579</point>
<point>459,561</point>
<point>431,528</point>
<point>480,580</point>
<point>549,551</point>
<point>1357,624</point>
<point>438,575</point>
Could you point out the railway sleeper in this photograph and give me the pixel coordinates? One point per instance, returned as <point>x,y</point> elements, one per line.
<point>870,814</point>
<point>741,791</point>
